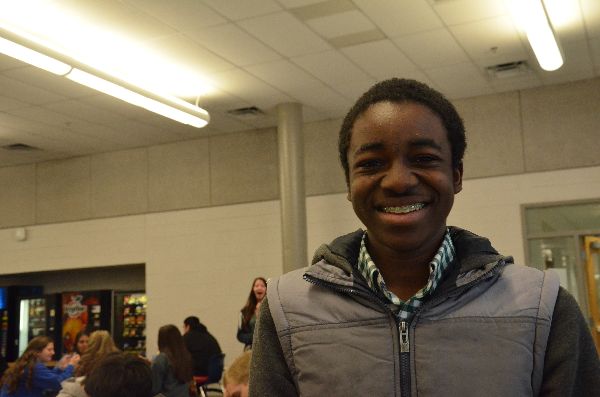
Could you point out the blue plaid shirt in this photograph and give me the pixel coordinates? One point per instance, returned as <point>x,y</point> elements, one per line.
<point>437,266</point>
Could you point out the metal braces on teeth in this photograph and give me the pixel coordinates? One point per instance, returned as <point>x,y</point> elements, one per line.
<point>404,209</point>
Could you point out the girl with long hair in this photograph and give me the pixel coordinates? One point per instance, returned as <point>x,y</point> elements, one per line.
<point>29,376</point>
<point>172,367</point>
<point>81,342</point>
<point>100,345</point>
<point>250,310</point>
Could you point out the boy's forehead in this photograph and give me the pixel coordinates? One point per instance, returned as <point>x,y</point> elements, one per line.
<point>397,120</point>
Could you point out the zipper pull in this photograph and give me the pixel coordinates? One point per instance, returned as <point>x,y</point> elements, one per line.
<point>404,343</point>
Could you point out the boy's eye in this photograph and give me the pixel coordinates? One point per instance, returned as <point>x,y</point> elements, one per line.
<point>426,159</point>
<point>369,164</point>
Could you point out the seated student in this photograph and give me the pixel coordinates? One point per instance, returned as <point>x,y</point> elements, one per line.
<point>120,375</point>
<point>100,345</point>
<point>235,378</point>
<point>200,343</point>
<point>172,367</point>
<point>29,376</point>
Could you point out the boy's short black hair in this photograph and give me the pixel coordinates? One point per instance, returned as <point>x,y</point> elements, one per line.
<point>120,375</point>
<point>405,90</point>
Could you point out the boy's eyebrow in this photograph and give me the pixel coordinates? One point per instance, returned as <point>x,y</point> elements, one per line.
<point>427,142</point>
<point>377,146</point>
<point>369,147</point>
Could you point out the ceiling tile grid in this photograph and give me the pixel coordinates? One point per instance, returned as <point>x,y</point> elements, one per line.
<point>323,54</point>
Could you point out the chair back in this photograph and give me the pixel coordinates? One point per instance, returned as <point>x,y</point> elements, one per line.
<point>216,365</point>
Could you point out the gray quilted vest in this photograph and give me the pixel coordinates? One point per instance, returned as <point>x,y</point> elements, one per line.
<point>487,337</point>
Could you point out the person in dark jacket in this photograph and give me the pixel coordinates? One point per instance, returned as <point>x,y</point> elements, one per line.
<point>411,306</point>
<point>200,343</point>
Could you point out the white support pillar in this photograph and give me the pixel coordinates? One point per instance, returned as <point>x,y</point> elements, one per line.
<point>291,186</point>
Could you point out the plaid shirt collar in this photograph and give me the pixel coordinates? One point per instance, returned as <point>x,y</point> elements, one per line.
<point>437,267</point>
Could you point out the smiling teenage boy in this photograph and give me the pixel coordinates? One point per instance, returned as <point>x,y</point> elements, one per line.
<point>411,306</point>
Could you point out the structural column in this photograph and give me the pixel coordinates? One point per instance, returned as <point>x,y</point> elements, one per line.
<point>291,186</point>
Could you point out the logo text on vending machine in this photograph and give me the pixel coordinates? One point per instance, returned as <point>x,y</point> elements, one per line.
<point>74,308</point>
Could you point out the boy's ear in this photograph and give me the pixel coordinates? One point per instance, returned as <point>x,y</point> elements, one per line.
<point>457,174</point>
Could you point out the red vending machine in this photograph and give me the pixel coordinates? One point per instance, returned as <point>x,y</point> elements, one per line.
<point>130,321</point>
<point>84,310</point>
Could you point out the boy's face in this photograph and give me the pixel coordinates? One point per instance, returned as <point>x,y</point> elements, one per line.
<point>235,390</point>
<point>402,183</point>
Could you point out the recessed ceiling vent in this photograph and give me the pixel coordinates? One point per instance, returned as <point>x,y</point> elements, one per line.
<point>508,70</point>
<point>250,111</point>
<point>19,147</point>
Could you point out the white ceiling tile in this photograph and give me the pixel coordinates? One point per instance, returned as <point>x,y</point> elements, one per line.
<point>284,75</point>
<point>591,14</point>
<point>341,24</point>
<point>43,116</point>
<point>186,52</point>
<point>48,81</point>
<point>400,17</point>
<point>114,105</point>
<point>235,10</point>
<point>285,34</point>
<point>26,92</point>
<point>565,17</point>
<point>493,37</point>
<point>298,3</point>
<point>250,88</point>
<point>7,103</point>
<point>460,81</point>
<point>234,45</point>
<point>331,67</point>
<point>118,17</point>
<point>179,14</point>
<point>460,11</point>
<point>419,76</point>
<point>432,48</point>
<point>353,90</point>
<point>381,59</point>
<point>7,63</point>
<point>329,102</point>
<point>20,122</point>
<point>79,110</point>
<point>578,64</point>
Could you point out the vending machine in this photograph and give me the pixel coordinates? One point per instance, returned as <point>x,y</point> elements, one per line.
<point>84,311</point>
<point>13,321</point>
<point>3,322</point>
<point>37,316</point>
<point>130,321</point>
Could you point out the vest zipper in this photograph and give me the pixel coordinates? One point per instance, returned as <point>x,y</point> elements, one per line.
<point>402,328</point>
<point>404,359</point>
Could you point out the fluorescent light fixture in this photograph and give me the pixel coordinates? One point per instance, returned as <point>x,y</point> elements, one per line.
<point>32,57</point>
<point>533,18</point>
<point>199,117</point>
<point>32,52</point>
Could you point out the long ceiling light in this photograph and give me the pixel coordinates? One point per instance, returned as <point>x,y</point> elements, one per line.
<point>533,18</point>
<point>29,51</point>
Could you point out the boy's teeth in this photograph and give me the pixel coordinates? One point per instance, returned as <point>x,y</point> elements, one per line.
<point>404,209</point>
